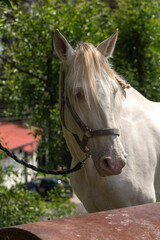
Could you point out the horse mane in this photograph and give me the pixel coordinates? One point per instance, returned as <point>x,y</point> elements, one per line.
<point>88,57</point>
<point>91,64</point>
<point>122,82</point>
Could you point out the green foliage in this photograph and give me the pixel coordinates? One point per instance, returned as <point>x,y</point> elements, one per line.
<point>137,55</point>
<point>7,2</point>
<point>16,204</point>
<point>30,71</point>
<point>3,3</point>
<point>31,68</point>
<point>19,206</point>
<point>63,207</point>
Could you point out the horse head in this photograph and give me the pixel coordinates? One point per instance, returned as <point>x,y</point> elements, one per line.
<point>94,93</point>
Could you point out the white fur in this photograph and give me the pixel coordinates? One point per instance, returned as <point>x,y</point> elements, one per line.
<point>138,120</point>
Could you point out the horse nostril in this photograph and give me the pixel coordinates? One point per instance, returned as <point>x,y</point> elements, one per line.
<point>106,163</point>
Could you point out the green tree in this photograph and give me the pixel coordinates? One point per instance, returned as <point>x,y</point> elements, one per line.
<point>5,2</point>
<point>30,66</point>
<point>137,55</point>
<point>30,69</point>
<point>19,206</point>
<point>16,204</point>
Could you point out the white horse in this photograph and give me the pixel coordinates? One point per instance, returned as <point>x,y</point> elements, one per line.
<point>123,168</point>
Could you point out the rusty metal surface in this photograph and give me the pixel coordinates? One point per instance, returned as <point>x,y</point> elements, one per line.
<point>17,234</point>
<point>139,222</point>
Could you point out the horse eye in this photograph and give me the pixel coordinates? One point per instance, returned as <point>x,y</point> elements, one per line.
<point>79,95</point>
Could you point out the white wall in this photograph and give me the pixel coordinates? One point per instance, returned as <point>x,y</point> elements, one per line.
<point>11,180</point>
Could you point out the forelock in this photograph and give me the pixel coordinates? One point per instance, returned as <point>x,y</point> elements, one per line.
<point>88,66</point>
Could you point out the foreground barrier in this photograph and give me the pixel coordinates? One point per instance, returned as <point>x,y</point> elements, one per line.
<point>139,222</point>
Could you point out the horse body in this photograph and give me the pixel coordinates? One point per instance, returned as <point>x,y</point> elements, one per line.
<point>122,170</point>
<point>139,181</point>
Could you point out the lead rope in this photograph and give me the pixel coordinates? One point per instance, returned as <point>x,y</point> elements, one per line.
<point>78,166</point>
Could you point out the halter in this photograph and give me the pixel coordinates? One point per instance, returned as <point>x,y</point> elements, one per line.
<point>87,132</point>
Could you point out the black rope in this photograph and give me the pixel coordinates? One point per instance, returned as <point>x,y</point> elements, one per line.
<point>46,171</point>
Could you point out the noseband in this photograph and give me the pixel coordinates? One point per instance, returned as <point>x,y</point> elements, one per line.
<point>87,132</point>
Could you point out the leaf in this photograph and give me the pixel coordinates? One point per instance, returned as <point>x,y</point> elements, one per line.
<point>7,2</point>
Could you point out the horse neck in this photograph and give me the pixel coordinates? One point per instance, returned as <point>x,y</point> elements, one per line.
<point>136,108</point>
<point>137,100</point>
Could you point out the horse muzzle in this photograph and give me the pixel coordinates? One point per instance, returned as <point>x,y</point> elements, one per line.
<point>108,166</point>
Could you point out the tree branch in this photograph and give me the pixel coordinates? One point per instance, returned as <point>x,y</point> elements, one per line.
<point>14,64</point>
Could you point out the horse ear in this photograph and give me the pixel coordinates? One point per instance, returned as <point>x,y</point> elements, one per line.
<point>107,46</point>
<point>62,47</point>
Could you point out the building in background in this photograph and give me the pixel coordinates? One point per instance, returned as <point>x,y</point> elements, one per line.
<point>21,141</point>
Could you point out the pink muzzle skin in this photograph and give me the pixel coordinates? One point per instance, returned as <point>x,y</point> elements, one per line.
<point>107,166</point>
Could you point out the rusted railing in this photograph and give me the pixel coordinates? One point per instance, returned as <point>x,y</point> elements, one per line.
<point>139,222</point>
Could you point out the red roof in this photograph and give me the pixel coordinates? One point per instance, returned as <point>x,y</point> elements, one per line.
<point>15,136</point>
